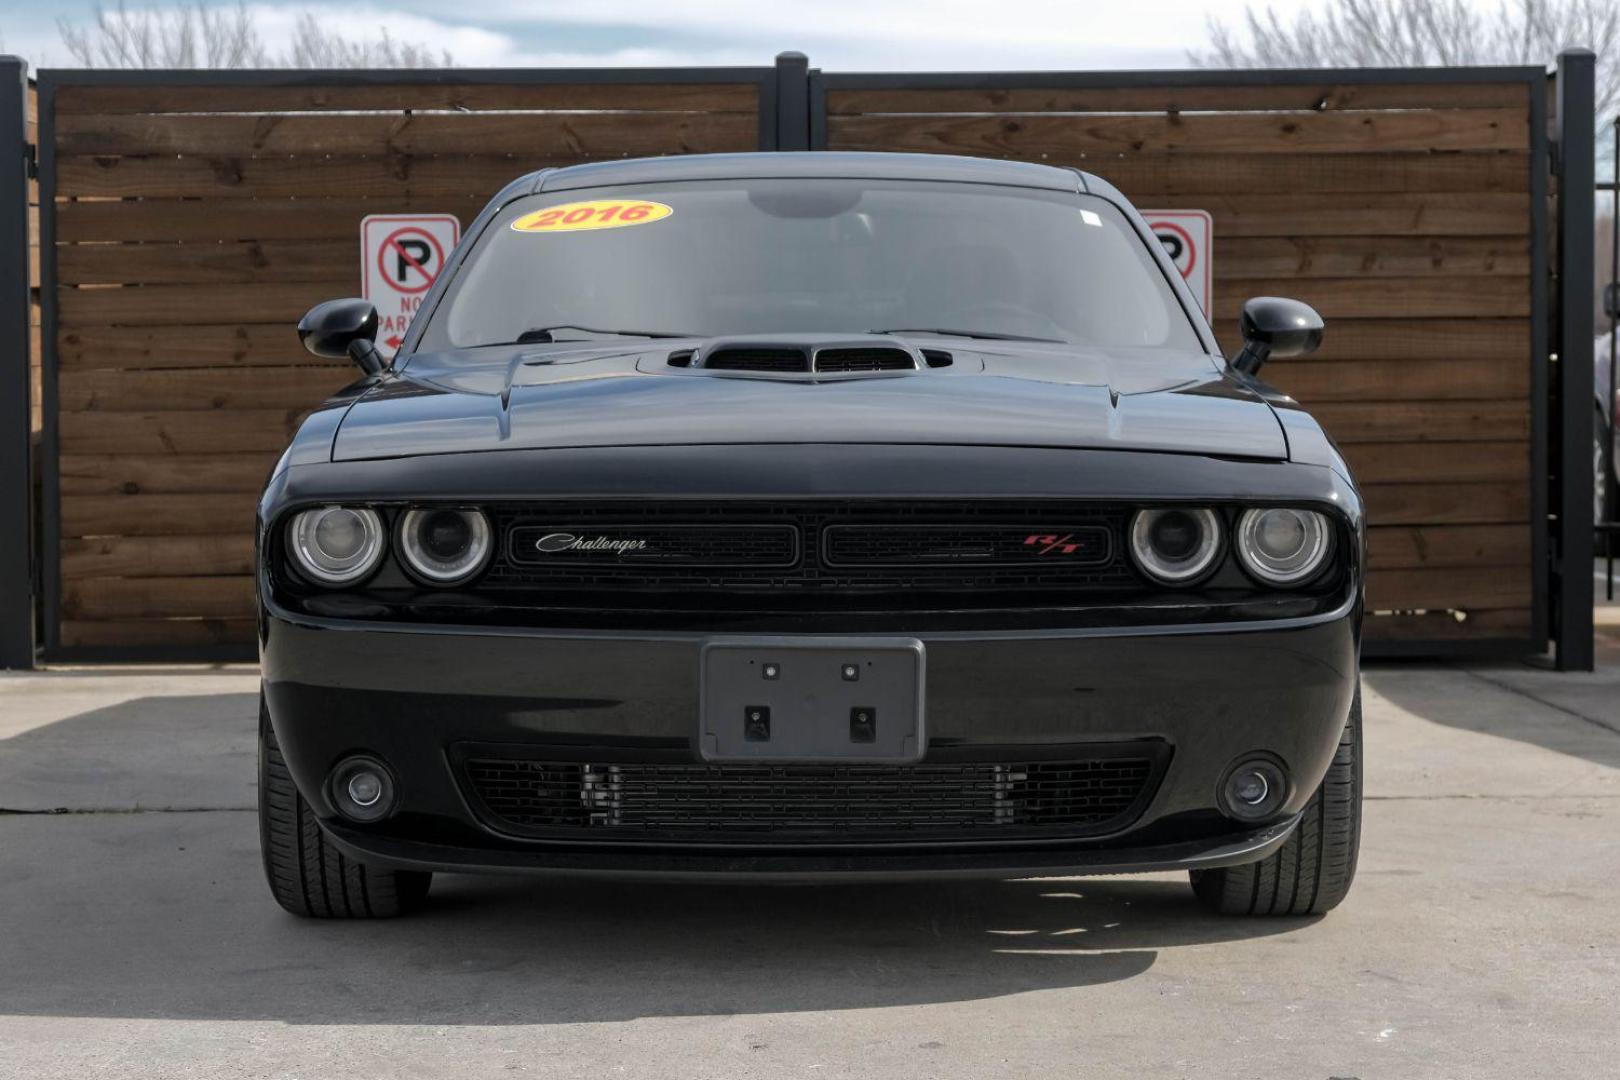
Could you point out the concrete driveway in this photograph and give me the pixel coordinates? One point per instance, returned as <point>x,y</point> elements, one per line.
<point>1482,938</point>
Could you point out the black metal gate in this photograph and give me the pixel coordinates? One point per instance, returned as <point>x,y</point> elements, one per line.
<point>793,112</point>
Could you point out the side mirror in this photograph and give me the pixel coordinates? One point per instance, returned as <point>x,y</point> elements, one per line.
<point>340,328</point>
<point>1276,326</point>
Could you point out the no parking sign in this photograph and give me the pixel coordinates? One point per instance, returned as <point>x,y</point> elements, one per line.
<point>401,256</point>
<point>1188,237</point>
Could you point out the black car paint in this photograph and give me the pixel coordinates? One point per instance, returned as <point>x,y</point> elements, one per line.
<point>611,418</point>
<point>1002,394</point>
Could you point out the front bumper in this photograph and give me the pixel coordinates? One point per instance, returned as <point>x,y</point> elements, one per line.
<point>409,695</point>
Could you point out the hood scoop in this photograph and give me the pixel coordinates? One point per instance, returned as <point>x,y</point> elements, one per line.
<point>803,355</point>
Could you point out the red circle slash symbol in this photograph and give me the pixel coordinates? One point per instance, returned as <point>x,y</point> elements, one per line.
<point>405,255</point>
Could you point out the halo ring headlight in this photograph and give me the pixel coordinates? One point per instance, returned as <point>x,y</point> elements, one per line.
<point>1283,545</point>
<point>336,545</point>
<point>1175,545</point>
<point>445,545</point>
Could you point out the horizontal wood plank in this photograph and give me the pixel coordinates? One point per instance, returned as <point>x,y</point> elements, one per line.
<point>146,391</point>
<point>164,474</point>
<point>1371,256</point>
<point>1430,463</point>
<point>1425,339</point>
<point>1307,213</point>
<point>1036,137</point>
<point>1148,178</point>
<point>1151,178</point>
<point>176,634</point>
<point>1441,626</point>
<point>1425,421</point>
<point>244,345</point>
<point>253,261</point>
<point>221,304</point>
<point>1395,547</point>
<point>465,93</point>
<point>1440,296</point>
<point>228,176</point>
<point>1311,380</point>
<point>186,221</point>
<point>157,597</point>
<point>1451,587</point>
<point>157,556</point>
<point>582,134</point>
<point>213,514</point>
<point>199,431</point>
<point>1501,503</point>
<point>1313,97</point>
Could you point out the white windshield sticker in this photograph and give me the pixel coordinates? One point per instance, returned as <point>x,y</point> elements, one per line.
<point>1090,217</point>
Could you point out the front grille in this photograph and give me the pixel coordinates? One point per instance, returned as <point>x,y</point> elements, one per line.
<point>812,554</point>
<point>969,800</point>
<point>965,545</point>
<point>632,545</point>
<point>845,360</point>
<point>757,360</point>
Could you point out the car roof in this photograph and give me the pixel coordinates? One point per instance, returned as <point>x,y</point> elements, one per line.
<point>811,164</point>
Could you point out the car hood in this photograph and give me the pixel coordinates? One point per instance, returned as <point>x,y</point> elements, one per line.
<point>614,394</point>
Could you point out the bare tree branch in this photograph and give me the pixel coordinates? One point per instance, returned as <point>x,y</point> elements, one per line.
<point>313,46</point>
<point>197,34</point>
<point>1424,33</point>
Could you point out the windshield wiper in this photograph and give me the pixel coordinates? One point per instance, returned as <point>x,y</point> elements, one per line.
<point>984,334</point>
<point>542,334</point>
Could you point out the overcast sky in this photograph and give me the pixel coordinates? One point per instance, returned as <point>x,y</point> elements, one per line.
<point>841,34</point>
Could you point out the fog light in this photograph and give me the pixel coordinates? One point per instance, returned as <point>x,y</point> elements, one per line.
<point>1254,789</point>
<point>366,787</point>
<point>362,789</point>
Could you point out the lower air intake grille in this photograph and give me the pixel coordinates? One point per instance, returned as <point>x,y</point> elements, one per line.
<point>814,803</point>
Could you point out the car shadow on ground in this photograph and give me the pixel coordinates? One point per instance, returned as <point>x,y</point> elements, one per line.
<point>166,915</point>
<point>1505,702</point>
<point>539,951</point>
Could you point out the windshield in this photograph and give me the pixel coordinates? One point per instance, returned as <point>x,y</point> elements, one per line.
<point>793,255</point>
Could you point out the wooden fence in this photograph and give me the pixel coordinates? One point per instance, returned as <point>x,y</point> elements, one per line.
<point>194,224</point>
<point>193,218</point>
<point>1403,210</point>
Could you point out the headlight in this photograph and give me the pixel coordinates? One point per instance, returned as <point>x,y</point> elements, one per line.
<point>336,545</point>
<point>1283,546</point>
<point>1175,545</point>
<point>445,546</point>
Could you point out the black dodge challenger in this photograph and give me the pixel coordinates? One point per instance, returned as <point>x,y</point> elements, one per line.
<point>797,516</point>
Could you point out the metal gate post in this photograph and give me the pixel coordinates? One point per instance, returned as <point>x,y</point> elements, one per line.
<point>16,475</point>
<point>792,101</point>
<point>1576,134</point>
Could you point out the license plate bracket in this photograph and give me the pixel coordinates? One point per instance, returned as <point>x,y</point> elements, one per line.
<point>793,699</point>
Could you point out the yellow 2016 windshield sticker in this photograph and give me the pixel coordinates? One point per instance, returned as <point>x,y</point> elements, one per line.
<point>596,214</point>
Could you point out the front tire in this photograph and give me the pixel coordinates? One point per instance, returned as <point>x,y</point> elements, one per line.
<point>1311,873</point>
<point>307,875</point>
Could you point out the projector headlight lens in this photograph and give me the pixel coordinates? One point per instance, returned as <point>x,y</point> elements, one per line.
<point>336,545</point>
<point>1175,545</point>
<point>1283,546</point>
<point>445,546</point>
